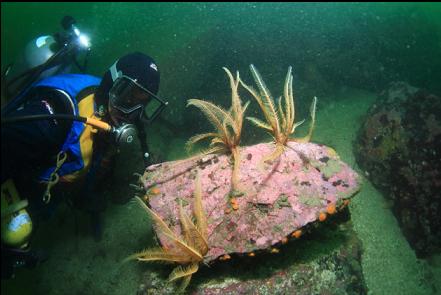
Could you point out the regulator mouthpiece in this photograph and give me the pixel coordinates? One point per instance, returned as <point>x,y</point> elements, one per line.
<point>125,134</point>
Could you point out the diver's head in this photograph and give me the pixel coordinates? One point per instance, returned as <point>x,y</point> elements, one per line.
<point>129,85</point>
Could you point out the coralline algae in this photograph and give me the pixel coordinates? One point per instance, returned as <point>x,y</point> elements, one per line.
<point>272,203</point>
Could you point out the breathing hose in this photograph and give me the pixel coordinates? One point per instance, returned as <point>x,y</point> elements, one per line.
<point>90,121</point>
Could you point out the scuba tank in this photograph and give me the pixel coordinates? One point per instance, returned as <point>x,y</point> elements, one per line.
<point>40,50</point>
<point>44,56</point>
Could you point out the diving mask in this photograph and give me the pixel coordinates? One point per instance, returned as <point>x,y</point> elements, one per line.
<point>132,101</point>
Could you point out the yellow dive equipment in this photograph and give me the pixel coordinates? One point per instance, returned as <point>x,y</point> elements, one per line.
<point>16,222</point>
<point>99,124</point>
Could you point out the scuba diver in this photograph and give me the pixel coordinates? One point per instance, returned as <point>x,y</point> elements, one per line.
<point>61,133</point>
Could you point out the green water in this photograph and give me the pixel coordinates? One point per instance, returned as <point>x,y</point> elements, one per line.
<point>398,36</point>
<point>343,53</point>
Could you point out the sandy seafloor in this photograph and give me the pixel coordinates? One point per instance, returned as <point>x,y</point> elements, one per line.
<point>79,265</point>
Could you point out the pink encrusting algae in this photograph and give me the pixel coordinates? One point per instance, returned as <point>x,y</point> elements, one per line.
<point>273,201</point>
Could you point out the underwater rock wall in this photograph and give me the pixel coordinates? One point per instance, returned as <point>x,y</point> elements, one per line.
<point>399,148</point>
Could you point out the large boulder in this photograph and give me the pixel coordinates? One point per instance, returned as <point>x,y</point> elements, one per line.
<point>399,148</point>
<point>303,267</point>
<point>273,203</point>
